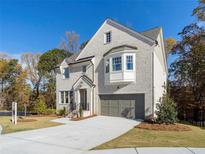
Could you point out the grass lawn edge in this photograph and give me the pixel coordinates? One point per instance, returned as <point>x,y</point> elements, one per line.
<point>8,127</point>
<point>137,137</point>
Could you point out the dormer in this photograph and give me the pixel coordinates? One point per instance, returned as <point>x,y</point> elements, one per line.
<point>119,65</point>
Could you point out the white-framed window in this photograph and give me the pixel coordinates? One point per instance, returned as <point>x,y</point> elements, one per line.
<point>64,97</point>
<point>107,66</point>
<point>116,63</point>
<point>84,68</point>
<point>129,62</point>
<point>107,37</point>
<point>66,73</point>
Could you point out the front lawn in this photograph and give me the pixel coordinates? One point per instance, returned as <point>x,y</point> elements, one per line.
<point>31,122</point>
<point>151,138</point>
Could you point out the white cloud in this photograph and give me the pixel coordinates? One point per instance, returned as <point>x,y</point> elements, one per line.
<point>10,55</point>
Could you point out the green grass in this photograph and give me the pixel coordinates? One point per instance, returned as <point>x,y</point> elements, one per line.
<point>149,138</point>
<point>41,122</point>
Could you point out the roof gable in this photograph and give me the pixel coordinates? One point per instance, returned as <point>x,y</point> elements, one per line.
<point>83,80</point>
<point>152,33</point>
<point>111,23</point>
<point>131,32</point>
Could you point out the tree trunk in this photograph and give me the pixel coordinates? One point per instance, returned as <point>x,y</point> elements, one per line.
<point>25,109</point>
<point>37,88</point>
<point>2,85</point>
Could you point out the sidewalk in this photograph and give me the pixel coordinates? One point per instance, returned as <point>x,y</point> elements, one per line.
<point>151,150</point>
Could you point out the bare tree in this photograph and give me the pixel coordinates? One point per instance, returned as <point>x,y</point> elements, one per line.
<point>70,42</point>
<point>30,61</point>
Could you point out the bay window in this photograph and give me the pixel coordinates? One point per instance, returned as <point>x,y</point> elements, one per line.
<point>116,63</point>
<point>129,62</point>
<point>122,65</point>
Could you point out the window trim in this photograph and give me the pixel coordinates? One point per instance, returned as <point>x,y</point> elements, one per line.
<point>84,68</point>
<point>105,37</point>
<point>64,97</point>
<point>121,61</point>
<point>126,62</point>
<point>64,76</point>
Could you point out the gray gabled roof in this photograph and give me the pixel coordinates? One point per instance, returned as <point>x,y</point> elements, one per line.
<point>131,32</point>
<point>148,36</point>
<point>72,58</point>
<point>152,33</point>
<point>85,79</point>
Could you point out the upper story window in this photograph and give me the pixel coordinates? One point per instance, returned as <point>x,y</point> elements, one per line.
<point>116,63</point>
<point>129,62</point>
<point>107,37</point>
<point>107,66</point>
<point>66,73</point>
<point>84,68</point>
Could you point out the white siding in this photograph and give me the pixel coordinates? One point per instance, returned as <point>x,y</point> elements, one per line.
<point>143,84</point>
<point>160,74</point>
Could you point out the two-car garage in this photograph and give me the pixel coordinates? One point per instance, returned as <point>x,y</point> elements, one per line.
<point>123,105</point>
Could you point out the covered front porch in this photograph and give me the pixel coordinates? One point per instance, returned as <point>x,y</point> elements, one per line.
<point>83,96</point>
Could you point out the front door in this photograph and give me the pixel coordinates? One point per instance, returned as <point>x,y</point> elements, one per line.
<point>83,99</point>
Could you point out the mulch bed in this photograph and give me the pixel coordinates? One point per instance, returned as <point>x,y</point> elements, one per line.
<point>26,120</point>
<point>163,127</point>
<point>39,115</point>
<point>82,118</point>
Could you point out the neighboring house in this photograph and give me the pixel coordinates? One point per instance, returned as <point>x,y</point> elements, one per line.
<point>120,72</point>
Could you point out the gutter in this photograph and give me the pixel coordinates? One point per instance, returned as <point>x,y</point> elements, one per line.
<point>79,62</point>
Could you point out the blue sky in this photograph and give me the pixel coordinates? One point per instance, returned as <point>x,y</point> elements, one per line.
<point>39,25</point>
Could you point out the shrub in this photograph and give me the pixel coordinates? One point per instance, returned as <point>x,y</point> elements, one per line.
<point>50,111</point>
<point>40,107</point>
<point>166,110</point>
<point>62,112</point>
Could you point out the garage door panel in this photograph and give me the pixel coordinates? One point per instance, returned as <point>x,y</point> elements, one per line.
<point>126,110</point>
<point>123,108</point>
<point>113,108</point>
<point>132,106</point>
<point>104,107</point>
<point>129,106</point>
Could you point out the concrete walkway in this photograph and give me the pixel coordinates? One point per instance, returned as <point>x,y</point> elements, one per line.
<point>74,137</point>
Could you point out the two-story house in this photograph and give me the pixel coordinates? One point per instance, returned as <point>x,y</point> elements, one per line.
<point>120,72</point>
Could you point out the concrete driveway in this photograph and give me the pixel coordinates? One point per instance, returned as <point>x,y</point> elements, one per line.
<point>152,150</point>
<point>71,138</point>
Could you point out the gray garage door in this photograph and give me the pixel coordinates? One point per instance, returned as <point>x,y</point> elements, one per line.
<point>125,105</point>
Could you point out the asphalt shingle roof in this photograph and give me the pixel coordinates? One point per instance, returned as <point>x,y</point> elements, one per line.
<point>72,58</point>
<point>152,33</point>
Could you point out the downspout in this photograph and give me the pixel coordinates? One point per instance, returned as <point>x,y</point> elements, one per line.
<point>153,83</point>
